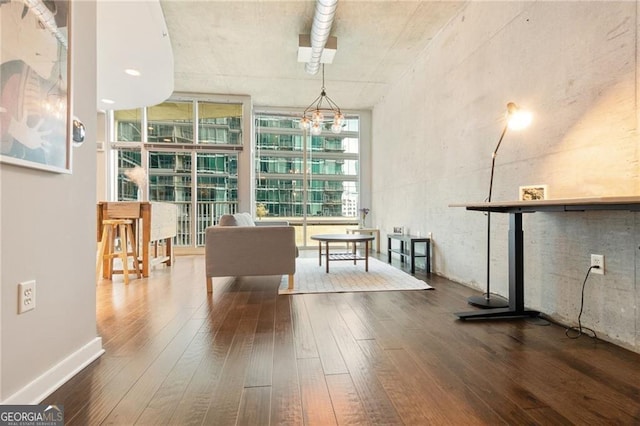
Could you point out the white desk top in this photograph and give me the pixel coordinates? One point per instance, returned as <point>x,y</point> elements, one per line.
<point>567,204</point>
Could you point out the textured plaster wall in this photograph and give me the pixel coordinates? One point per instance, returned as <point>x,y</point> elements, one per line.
<point>575,65</point>
<point>48,234</point>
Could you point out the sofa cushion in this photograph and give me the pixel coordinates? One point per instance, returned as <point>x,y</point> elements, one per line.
<point>238,219</point>
<point>227,220</point>
<point>244,219</point>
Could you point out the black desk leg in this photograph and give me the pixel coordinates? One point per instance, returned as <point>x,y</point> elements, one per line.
<point>516,263</point>
<point>516,279</point>
<point>389,249</point>
<point>428,253</point>
<point>401,251</point>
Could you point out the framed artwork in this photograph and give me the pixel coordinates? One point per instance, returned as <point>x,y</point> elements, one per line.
<point>35,107</point>
<point>398,229</point>
<point>533,192</point>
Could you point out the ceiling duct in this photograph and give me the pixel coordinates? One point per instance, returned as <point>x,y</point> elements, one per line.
<point>322,22</point>
<point>304,49</point>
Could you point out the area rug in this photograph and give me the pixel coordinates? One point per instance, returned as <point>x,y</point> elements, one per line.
<point>345,277</point>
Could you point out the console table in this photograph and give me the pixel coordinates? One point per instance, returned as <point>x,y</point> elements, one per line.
<point>369,231</point>
<point>515,209</point>
<point>408,249</point>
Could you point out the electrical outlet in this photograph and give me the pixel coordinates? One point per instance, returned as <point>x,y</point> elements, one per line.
<point>597,260</point>
<point>26,296</point>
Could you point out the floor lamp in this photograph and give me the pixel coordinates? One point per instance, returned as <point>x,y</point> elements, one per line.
<point>517,119</point>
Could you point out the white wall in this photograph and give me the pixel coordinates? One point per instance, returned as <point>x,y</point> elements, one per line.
<point>48,234</point>
<point>575,64</point>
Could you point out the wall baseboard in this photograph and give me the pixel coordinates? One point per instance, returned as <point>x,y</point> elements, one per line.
<point>59,374</point>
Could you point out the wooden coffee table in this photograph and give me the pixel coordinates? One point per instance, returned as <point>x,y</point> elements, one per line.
<point>343,238</point>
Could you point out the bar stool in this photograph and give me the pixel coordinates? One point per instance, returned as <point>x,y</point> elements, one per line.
<point>106,250</point>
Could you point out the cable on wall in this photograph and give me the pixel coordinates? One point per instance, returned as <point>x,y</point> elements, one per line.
<point>575,332</point>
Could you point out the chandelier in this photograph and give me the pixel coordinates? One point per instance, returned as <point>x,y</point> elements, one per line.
<point>313,117</point>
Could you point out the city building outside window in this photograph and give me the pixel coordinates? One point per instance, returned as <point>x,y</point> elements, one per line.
<point>189,149</point>
<point>330,198</point>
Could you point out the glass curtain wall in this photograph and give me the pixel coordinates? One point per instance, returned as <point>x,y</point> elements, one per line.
<point>330,199</point>
<point>189,150</point>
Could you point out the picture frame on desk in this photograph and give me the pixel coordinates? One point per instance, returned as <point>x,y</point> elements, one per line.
<point>533,192</point>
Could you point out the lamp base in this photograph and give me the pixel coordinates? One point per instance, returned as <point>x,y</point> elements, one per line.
<point>487,301</point>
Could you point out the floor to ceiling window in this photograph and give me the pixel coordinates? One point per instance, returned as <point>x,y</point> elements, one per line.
<point>190,149</point>
<point>329,198</point>
<point>196,153</point>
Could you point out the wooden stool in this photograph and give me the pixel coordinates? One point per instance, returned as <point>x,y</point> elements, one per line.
<point>109,227</point>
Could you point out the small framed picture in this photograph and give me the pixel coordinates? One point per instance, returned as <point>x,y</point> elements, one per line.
<point>533,192</point>
<point>398,229</point>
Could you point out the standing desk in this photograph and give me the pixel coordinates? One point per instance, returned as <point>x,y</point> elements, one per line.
<point>515,209</point>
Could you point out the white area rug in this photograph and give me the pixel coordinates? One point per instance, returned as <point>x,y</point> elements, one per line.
<point>344,277</point>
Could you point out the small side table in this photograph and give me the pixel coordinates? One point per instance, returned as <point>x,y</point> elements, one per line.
<point>370,231</point>
<point>408,249</point>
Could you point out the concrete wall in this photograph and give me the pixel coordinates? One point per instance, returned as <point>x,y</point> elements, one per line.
<point>48,234</point>
<point>575,65</point>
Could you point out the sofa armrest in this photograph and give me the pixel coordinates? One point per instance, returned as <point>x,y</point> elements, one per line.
<point>250,250</point>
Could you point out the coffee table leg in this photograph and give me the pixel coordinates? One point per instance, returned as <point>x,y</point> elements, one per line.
<point>319,253</point>
<point>366,256</point>
<point>327,253</point>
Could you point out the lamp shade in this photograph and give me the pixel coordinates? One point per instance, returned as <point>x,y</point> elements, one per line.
<point>517,118</point>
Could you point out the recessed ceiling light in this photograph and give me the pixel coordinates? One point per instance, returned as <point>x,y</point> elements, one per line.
<point>133,72</point>
<point>108,101</point>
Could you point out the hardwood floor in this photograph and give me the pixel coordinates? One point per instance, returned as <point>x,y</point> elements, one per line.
<point>248,356</point>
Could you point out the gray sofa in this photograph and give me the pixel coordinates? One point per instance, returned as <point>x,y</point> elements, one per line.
<point>237,247</point>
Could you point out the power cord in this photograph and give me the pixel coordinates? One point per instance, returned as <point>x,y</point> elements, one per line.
<point>575,332</point>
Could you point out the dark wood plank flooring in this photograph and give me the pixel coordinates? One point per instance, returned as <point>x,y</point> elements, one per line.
<point>248,356</point>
